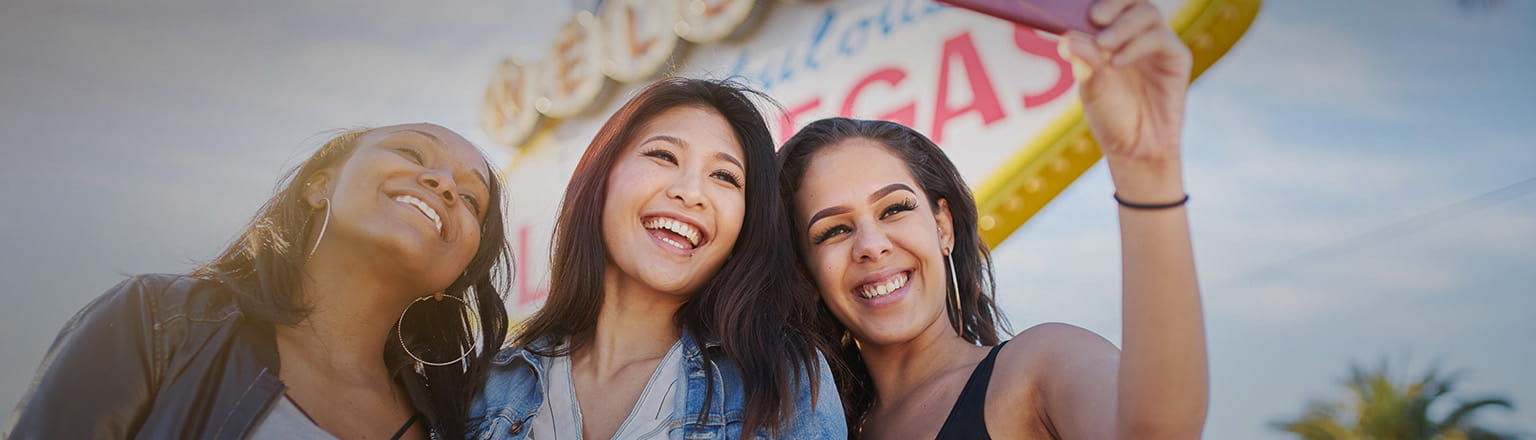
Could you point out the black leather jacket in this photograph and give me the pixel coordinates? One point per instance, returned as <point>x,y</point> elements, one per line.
<point>158,356</point>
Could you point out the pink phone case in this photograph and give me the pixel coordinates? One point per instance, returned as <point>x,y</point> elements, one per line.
<point>1054,16</point>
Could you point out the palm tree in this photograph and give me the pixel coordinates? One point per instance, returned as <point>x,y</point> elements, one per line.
<point>1383,410</point>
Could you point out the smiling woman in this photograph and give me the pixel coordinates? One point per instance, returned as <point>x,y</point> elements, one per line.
<point>888,229</point>
<point>316,322</point>
<point>674,306</point>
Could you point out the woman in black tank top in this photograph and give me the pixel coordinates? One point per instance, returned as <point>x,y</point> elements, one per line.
<point>888,229</point>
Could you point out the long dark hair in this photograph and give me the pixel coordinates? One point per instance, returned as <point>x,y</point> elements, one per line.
<point>759,307</point>
<point>977,319</point>
<point>264,267</point>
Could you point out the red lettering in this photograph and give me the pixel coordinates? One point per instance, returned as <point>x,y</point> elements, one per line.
<point>905,115</point>
<point>983,98</point>
<point>714,8</point>
<point>791,119</point>
<point>526,293</point>
<point>1029,41</point>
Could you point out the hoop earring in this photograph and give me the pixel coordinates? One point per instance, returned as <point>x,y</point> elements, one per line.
<point>323,224</point>
<point>959,319</point>
<point>421,365</point>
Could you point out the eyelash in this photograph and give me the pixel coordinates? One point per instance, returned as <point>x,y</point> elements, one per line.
<point>827,235</point>
<point>728,177</point>
<point>900,207</point>
<point>411,154</point>
<point>474,204</point>
<point>723,175</point>
<point>661,154</point>
<point>897,208</point>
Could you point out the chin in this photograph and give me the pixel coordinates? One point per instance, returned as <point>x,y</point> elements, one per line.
<point>674,286</point>
<point>887,330</point>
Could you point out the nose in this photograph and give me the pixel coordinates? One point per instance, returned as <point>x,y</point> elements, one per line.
<point>441,184</point>
<point>688,190</point>
<point>870,244</point>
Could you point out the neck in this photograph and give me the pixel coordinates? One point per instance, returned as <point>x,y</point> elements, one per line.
<point>351,314</point>
<point>634,324</point>
<point>900,368</point>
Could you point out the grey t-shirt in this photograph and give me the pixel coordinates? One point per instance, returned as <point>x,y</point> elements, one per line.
<point>284,420</point>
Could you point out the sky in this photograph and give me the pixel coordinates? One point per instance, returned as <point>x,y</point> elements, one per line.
<point>1361,173</point>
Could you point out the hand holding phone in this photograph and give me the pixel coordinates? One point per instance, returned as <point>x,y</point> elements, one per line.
<point>1054,16</point>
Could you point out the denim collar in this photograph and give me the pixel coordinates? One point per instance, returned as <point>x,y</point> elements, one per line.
<point>698,378</point>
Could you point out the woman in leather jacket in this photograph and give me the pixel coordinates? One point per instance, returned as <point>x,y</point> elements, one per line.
<point>362,301</point>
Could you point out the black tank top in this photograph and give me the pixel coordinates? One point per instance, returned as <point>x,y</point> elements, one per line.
<point>968,419</point>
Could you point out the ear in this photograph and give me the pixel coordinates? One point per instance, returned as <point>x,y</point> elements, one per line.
<point>317,189</point>
<point>946,226</point>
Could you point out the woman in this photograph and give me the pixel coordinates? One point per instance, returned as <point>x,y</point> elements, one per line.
<point>888,230</point>
<point>674,307</point>
<point>317,322</point>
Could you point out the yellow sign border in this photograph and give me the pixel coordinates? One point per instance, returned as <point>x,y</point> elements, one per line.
<point>1038,172</point>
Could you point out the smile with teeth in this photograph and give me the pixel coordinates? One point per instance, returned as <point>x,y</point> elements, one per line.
<point>437,222</point>
<point>882,288</point>
<point>685,230</point>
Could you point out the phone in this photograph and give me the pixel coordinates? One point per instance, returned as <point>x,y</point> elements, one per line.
<point>1054,16</point>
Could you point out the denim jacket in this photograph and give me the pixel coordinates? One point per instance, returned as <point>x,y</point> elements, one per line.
<point>512,396</point>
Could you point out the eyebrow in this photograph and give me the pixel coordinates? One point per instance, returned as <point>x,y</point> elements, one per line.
<point>873,197</point>
<point>422,133</point>
<point>882,192</point>
<point>662,137</point>
<point>675,140</point>
<point>483,180</point>
<point>479,175</point>
<point>835,210</point>
<point>729,158</point>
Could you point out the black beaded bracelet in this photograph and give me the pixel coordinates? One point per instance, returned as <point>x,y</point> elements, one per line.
<point>1146,207</point>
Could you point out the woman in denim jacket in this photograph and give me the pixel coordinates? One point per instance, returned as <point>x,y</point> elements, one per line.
<point>676,308</point>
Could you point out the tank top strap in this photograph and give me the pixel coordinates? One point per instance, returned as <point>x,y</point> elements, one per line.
<point>968,419</point>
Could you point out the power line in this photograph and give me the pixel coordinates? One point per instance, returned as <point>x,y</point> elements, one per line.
<point>1403,227</point>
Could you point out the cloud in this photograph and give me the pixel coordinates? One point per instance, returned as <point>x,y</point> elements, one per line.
<point>1308,64</point>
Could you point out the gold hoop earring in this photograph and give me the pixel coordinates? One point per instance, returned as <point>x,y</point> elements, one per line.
<point>959,318</point>
<point>323,224</point>
<point>421,365</point>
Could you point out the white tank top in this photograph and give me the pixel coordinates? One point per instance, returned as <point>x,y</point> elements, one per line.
<point>559,417</point>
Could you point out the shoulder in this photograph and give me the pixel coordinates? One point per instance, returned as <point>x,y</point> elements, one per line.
<point>150,300</point>
<point>516,364</point>
<point>1055,343</point>
<point>511,395</point>
<point>171,296</point>
<point>1046,354</point>
<point>514,375</point>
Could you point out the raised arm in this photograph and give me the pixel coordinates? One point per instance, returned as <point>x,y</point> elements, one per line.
<point>1133,76</point>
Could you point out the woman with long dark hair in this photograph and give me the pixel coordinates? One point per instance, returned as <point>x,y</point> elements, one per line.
<point>675,307</point>
<point>363,301</point>
<point>888,229</point>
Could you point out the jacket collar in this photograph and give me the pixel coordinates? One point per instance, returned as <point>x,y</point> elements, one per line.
<point>699,381</point>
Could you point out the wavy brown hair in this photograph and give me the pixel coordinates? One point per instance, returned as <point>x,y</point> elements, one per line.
<point>759,306</point>
<point>264,267</point>
<point>977,320</point>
